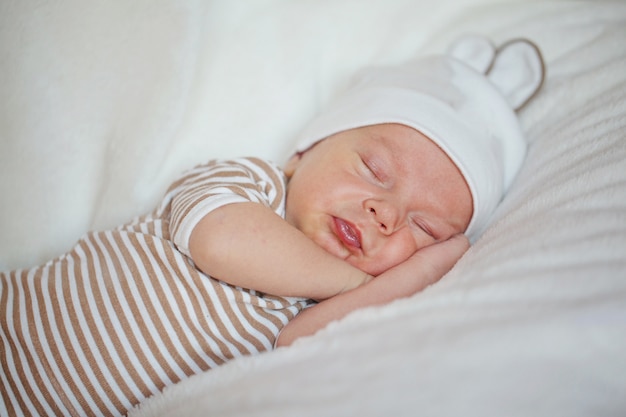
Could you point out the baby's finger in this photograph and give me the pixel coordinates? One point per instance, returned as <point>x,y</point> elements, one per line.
<point>442,256</point>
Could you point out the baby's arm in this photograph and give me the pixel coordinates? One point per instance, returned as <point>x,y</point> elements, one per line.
<point>248,245</point>
<point>225,215</point>
<point>422,269</point>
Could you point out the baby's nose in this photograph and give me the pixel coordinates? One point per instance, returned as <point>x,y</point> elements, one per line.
<point>384,215</point>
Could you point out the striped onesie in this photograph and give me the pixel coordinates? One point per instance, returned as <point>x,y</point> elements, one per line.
<point>125,313</point>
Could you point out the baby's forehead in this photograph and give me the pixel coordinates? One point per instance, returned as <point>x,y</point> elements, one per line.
<point>402,141</point>
<point>400,145</point>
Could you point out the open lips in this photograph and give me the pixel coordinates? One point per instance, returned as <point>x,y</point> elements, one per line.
<point>348,233</point>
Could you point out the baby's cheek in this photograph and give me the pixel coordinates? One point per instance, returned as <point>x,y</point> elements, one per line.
<point>389,258</point>
<point>401,249</point>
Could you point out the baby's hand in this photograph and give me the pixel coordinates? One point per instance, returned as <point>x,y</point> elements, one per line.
<point>439,258</point>
<point>427,266</point>
<point>422,269</point>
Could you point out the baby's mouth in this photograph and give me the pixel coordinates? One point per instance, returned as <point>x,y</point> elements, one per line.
<point>347,233</point>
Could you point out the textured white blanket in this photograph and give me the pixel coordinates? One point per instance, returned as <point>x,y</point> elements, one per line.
<point>102,105</point>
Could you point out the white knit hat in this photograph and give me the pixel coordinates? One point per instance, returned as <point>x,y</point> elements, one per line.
<point>464,101</point>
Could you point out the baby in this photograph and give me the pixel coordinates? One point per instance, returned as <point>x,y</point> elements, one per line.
<point>373,206</point>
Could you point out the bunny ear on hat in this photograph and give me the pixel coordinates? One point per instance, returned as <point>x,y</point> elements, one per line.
<point>516,68</point>
<point>474,51</point>
<point>518,71</point>
<point>464,102</point>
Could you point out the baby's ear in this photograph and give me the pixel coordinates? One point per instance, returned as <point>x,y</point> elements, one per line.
<point>292,164</point>
<point>518,71</point>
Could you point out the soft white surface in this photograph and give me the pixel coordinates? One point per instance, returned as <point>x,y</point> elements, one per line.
<point>102,105</point>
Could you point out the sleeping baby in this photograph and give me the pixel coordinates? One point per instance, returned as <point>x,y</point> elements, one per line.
<point>380,199</point>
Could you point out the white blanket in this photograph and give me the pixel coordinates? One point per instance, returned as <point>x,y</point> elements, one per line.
<point>102,105</point>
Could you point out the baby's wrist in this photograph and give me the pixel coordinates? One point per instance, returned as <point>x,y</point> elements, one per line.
<point>357,280</point>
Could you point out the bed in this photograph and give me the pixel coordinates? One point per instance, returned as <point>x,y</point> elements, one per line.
<point>102,105</point>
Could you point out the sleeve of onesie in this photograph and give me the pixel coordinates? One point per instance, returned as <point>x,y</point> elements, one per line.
<point>220,182</point>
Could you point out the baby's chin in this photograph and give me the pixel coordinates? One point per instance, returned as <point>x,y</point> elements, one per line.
<point>368,266</point>
<point>332,245</point>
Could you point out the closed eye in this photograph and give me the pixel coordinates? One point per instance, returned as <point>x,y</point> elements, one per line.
<point>422,226</point>
<point>374,171</point>
<point>370,171</point>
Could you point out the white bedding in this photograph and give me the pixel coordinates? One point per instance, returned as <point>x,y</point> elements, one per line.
<point>102,105</point>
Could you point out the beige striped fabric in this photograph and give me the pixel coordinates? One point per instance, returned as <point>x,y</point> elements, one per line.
<point>125,313</point>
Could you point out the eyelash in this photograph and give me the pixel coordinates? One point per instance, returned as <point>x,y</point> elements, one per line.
<point>423,227</point>
<point>371,170</point>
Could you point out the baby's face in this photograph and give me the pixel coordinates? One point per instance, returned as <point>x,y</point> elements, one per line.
<point>375,195</point>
